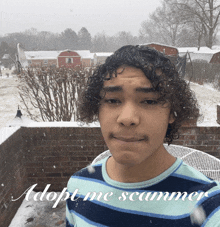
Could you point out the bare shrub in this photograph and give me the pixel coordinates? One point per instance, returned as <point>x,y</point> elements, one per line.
<point>51,94</point>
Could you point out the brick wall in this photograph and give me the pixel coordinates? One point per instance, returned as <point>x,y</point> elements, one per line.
<point>41,62</point>
<point>13,180</point>
<point>54,154</point>
<point>205,139</point>
<point>50,155</point>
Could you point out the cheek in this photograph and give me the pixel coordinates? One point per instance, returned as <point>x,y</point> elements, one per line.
<point>105,121</point>
<point>106,115</point>
<point>158,123</point>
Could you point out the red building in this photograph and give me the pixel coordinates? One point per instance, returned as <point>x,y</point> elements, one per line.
<point>69,59</point>
<point>167,50</point>
<point>66,58</point>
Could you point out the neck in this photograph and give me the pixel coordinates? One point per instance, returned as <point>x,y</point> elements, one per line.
<point>148,169</point>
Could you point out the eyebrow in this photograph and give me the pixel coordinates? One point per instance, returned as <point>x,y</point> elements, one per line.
<point>119,88</point>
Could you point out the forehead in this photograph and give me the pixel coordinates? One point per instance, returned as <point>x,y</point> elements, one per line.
<point>129,76</point>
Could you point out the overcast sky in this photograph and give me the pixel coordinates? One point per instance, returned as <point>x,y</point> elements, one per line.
<point>110,16</point>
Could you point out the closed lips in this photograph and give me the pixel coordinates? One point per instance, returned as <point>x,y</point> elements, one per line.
<point>131,139</point>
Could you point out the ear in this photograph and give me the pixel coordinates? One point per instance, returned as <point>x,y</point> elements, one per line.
<point>171,118</point>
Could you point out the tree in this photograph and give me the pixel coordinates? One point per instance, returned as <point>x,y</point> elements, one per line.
<point>85,39</point>
<point>5,48</point>
<point>44,40</point>
<point>69,39</point>
<point>125,38</point>
<point>202,15</point>
<point>99,43</point>
<point>163,26</point>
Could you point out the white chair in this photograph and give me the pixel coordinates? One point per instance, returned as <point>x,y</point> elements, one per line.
<point>203,162</point>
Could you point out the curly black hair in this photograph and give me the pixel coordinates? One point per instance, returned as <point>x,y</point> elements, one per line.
<point>170,86</point>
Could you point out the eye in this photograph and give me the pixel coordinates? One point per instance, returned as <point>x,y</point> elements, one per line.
<point>150,102</point>
<point>112,101</point>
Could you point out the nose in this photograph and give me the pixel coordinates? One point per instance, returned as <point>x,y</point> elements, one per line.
<point>128,115</point>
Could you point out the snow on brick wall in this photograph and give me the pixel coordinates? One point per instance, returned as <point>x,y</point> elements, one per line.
<point>12,176</point>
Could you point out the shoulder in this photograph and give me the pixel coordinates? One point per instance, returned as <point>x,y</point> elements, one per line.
<point>193,177</point>
<point>197,182</point>
<point>91,173</point>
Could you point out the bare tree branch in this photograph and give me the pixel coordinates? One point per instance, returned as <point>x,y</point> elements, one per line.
<point>52,91</point>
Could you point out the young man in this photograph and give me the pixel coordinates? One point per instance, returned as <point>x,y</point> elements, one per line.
<point>140,102</point>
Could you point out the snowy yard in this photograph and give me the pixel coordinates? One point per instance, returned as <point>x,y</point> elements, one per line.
<point>9,100</point>
<point>208,99</point>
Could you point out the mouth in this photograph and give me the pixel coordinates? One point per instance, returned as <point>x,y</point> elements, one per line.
<point>130,139</point>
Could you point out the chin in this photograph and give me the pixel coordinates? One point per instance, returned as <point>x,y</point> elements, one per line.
<point>127,158</point>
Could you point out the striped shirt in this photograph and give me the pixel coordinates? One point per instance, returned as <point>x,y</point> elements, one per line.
<point>97,200</point>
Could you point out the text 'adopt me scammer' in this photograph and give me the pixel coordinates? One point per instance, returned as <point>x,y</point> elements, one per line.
<point>100,196</point>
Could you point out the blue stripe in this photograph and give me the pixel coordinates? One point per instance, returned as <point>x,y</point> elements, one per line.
<point>191,179</point>
<point>87,220</point>
<point>210,204</point>
<point>176,183</point>
<point>137,212</point>
<point>210,195</point>
<point>213,212</point>
<point>112,217</point>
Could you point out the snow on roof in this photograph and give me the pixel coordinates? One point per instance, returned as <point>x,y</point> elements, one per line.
<point>85,54</point>
<point>160,44</point>
<point>204,53</point>
<point>201,56</point>
<point>202,50</point>
<point>41,54</point>
<point>103,54</point>
<point>187,49</point>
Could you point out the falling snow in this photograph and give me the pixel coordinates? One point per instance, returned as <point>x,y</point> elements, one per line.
<point>8,107</point>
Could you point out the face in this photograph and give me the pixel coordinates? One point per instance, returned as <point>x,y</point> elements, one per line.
<point>132,122</point>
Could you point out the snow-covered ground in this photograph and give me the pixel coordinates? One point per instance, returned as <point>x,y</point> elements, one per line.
<point>208,98</point>
<point>9,99</point>
<point>34,213</point>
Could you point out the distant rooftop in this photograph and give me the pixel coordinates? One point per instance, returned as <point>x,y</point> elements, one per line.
<point>54,54</point>
<point>202,50</point>
<point>41,54</point>
<point>160,44</point>
<point>85,54</point>
<point>103,54</point>
<point>204,53</point>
